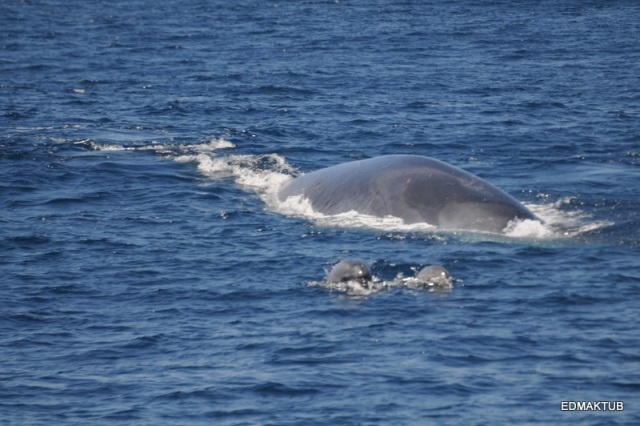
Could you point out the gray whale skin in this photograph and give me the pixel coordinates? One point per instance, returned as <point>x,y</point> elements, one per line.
<point>411,187</point>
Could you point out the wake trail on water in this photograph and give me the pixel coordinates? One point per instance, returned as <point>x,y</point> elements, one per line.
<point>265,174</point>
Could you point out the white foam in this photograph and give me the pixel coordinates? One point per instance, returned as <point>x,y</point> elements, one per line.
<point>212,144</point>
<point>301,207</point>
<point>101,146</point>
<point>527,229</point>
<point>261,174</point>
<point>416,284</point>
<point>355,288</point>
<point>561,219</point>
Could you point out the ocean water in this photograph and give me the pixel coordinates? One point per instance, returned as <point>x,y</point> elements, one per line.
<point>149,275</point>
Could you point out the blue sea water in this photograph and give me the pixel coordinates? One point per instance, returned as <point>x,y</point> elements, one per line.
<point>150,277</point>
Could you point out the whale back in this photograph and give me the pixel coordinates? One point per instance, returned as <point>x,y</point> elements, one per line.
<point>411,187</point>
<point>349,270</point>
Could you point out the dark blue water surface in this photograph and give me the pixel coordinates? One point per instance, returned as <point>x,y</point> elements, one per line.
<point>149,276</point>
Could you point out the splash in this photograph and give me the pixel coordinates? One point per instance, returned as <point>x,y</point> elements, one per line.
<point>355,289</point>
<point>561,219</point>
<point>358,290</point>
<point>261,174</point>
<point>527,229</point>
<point>300,206</point>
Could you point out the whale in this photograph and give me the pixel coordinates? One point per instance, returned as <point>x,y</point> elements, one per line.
<point>357,276</point>
<point>414,188</point>
<point>350,270</point>
<point>434,275</point>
